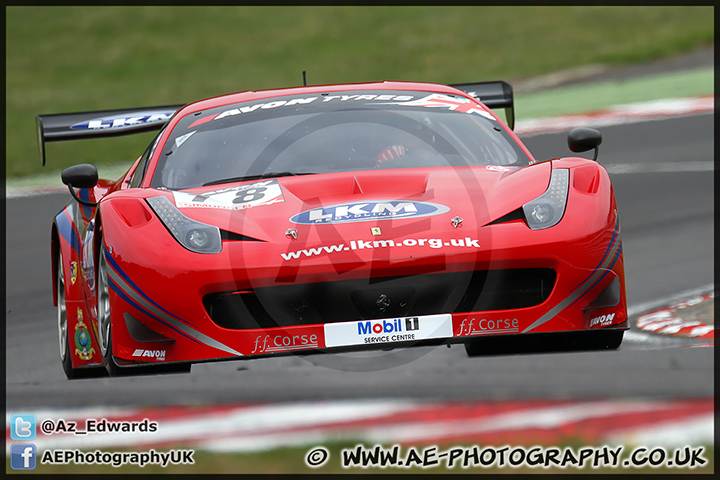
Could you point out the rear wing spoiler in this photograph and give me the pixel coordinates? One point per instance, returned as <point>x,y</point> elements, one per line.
<point>108,123</point>
<point>494,95</point>
<point>105,123</point>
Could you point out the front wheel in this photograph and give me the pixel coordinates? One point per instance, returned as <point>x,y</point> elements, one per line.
<point>64,339</point>
<point>62,322</point>
<point>104,320</point>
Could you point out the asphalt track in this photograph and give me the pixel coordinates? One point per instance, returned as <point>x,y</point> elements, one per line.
<point>667,229</point>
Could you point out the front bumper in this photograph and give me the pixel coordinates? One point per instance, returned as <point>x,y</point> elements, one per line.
<point>177,300</point>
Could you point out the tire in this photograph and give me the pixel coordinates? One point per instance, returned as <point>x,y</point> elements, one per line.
<point>62,323</point>
<point>64,338</point>
<point>105,330</point>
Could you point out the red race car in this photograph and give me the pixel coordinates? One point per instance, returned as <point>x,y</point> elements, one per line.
<point>332,218</point>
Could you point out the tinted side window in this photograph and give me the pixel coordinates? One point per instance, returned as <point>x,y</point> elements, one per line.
<point>142,166</point>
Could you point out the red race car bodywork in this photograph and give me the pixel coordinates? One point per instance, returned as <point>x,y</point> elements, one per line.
<point>182,260</point>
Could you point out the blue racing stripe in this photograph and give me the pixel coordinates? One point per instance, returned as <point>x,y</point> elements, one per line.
<point>84,194</point>
<point>120,272</point>
<point>116,288</point>
<point>612,241</point>
<point>67,230</point>
<point>607,270</point>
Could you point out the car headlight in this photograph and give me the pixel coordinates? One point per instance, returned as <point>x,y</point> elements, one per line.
<point>547,210</point>
<point>196,236</point>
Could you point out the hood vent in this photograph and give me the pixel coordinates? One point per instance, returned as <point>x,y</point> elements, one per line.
<point>232,236</point>
<point>514,215</point>
<point>395,183</point>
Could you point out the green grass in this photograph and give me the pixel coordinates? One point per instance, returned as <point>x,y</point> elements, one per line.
<point>585,98</point>
<point>64,59</point>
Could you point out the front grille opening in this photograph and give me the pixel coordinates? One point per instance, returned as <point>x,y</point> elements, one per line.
<point>412,295</point>
<point>507,289</point>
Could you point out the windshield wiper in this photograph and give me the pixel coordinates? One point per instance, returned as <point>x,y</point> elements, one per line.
<point>257,177</point>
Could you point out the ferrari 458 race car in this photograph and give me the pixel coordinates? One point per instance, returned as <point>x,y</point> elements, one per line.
<point>333,218</point>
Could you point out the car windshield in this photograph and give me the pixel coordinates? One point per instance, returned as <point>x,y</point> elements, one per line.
<point>338,132</point>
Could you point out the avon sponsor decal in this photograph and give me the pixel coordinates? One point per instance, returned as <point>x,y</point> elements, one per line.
<point>368,211</point>
<point>602,320</point>
<point>154,354</point>
<point>276,103</point>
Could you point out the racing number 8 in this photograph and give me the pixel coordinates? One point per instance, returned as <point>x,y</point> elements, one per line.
<point>250,195</point>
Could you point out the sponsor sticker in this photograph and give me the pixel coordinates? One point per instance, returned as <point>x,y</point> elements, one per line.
<point>500,168</point>
<point>73,272</point>
<point>389,330</point>
<point>125,120</point>
<point>83,344</point>
<point>434,243</point>
<point>284,342</point>
<point>487,326</point>
<point>244,109</point>
<point>240,197</point>
<point>602,320</point>
<point>154,354</point>
<point>368,211</point>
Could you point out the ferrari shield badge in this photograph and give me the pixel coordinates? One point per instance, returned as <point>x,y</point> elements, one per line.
<point>73,272</point>
<point>83,345</point>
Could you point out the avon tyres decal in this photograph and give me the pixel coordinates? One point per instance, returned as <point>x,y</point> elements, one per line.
<point>256,194</point>
<point>602,320</point>
<point>299,101</point>
<point>158,355</point>
<point>390,330</point>
<point>368,211</point>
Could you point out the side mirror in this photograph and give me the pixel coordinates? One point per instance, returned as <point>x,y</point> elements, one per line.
<point>584,139</point>
<point>80,176</point>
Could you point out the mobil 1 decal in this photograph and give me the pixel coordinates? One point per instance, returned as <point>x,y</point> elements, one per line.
<point>389,330</point>
<point>240,197</point>
<point>368,211</point>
